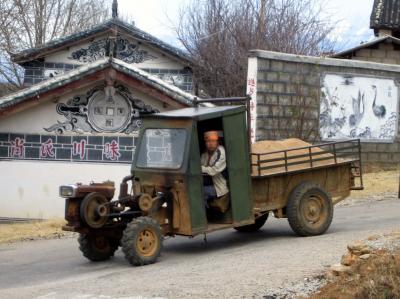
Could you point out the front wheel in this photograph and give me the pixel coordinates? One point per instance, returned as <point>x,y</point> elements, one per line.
<point>259,222</point>
<point>142,241</point>
<point>309,210</point>
<point>97,248</point>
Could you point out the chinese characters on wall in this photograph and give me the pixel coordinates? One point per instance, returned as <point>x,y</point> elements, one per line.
<point>80,148</point>
<point>252,92</point>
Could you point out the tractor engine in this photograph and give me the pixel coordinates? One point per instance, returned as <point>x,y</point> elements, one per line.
<point>91,206</point>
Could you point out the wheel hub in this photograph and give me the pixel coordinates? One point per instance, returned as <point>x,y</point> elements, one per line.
<point>147,242</point>
<point>312,209</point>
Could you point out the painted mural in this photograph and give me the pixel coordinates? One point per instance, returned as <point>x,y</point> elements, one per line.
<point>358,107</point>
<point>125,50</point>
<point>103,110</point>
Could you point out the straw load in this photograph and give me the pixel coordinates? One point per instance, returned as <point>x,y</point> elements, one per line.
<point>297,153</point>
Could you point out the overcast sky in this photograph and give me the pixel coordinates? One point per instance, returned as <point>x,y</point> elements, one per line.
<point>157,17</point>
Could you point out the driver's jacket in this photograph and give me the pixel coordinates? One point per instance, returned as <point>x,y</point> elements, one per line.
<point>214,166</point>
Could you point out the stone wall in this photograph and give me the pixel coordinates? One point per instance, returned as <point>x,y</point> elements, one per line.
<point>38,71</point>
<point>382,53</point>
<point>289,93</point>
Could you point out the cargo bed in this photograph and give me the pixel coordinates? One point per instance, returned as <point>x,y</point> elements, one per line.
<point>297,156</point>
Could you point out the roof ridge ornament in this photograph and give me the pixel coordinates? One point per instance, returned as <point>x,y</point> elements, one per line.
<point>115,9</point>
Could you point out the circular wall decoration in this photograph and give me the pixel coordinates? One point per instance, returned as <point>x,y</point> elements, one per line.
<point>108,113</point>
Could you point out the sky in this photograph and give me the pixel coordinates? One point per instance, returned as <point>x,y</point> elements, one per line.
<point>158,17</point>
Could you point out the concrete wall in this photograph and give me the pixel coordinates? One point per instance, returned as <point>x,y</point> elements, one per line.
<point>289,92</point>
<point>29,189</point>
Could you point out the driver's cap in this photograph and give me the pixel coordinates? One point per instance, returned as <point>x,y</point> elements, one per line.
<point>211,136</point>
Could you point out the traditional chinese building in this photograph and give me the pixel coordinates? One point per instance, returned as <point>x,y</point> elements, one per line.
<point>79,115</point>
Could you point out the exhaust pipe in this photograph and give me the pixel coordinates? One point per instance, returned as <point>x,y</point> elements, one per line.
<point>123,187</point>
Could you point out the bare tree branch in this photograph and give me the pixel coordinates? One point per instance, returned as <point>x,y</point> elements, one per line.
<point>31,23</point>
<point>218,35</point>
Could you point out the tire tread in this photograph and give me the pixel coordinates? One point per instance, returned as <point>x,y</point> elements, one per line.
<point>90,253</point>
<point>293,207</point>
<point>129,238</point>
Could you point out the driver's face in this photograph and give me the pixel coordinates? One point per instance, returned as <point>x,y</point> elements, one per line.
<point>211,145</point>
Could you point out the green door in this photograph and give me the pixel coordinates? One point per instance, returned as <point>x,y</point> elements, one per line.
<point>237,156</point>
<point>195,186</point>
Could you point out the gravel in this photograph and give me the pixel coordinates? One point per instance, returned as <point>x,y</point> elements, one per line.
<point>390,242</point>
<point>382,241</point>
<point>297,289</point>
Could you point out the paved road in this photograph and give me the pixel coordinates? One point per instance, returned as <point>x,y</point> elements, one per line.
<point>230,265</point>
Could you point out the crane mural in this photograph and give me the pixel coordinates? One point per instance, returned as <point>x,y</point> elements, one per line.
<point>358,107</point>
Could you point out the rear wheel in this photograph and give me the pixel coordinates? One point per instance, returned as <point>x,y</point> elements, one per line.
<point>142,241</point>
<point>259,222</point>
<point>309,210</point>
<point>97,248</point>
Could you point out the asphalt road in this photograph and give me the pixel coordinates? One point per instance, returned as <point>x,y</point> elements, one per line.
<point>229,265</point>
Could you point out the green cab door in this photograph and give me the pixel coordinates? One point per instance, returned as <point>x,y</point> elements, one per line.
<point>238,164</point>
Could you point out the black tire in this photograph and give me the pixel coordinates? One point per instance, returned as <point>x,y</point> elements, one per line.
<point>309,210</point>
<point>97,248</point>
<point>259,222</point>
<point>142,241</point>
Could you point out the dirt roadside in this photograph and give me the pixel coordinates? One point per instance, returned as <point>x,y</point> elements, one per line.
<point>370,269</point>
<point>30,231</point>
<point>377,185</point>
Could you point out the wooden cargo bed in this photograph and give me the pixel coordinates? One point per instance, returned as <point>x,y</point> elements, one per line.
<point>275,157</point>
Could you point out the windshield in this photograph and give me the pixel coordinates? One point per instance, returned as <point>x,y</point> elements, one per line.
<point>162,148</point>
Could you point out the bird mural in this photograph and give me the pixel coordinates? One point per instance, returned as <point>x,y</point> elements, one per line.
<point>358,109</point>
<point>379,111</point>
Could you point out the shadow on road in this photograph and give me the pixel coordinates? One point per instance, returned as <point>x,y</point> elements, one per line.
<point>227,239</point>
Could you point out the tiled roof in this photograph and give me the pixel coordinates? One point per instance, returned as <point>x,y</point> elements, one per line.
<point>386,15</point>
<point>129,29</point>
<point>90,68</point>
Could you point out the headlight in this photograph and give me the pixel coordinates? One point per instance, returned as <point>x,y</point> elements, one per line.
<point>68,191</point>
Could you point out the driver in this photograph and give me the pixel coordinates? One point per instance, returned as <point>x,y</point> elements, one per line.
<point>213,167</point>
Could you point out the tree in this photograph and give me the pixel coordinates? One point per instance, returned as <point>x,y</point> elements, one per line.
<point>27,24</point>
<point>218,35</point>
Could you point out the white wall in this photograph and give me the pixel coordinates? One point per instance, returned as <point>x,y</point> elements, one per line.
<point>30,189</point>
<point>45,115</point>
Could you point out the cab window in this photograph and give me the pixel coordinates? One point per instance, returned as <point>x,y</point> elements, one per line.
<point>162,148</point>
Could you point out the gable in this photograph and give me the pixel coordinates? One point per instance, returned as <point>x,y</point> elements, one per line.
<point>129,50</point>
<point>85,111</point>
<point>91,114</point>
<point>130,45</point>
<point>109,27</point>
<point>101,70</point>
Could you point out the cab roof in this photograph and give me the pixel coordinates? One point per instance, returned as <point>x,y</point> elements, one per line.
<point>200,113</point>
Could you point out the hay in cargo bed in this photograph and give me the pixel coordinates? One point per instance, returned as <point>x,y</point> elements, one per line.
<point>272,157</point>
